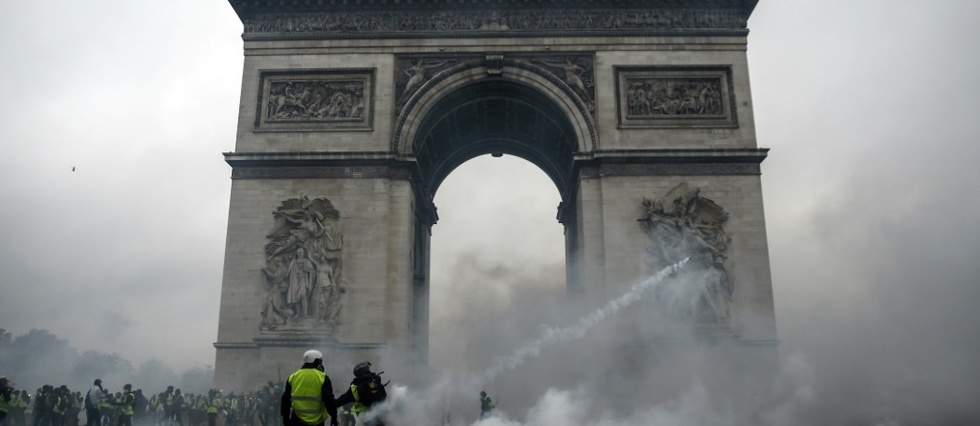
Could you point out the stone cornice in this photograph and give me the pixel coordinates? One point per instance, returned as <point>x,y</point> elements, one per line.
<point>671,162</point>
<point>390,19</point>
<point>253,7</point>
<point>317,165</point>
<point>677,156</point>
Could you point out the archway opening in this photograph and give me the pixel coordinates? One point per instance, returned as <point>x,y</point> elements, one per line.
<point>496,251</point>
<point>498,240</point>
<point>495,116</point>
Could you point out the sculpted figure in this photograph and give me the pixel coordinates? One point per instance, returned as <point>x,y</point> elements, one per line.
<point>416,75</point>
<point>275,312</point>
<point>684,224</point>
<point>302,278</point>
<point>304,268</point>
<point>572,77</point>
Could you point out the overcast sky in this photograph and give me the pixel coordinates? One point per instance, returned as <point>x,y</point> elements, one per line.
<point>872,190</point>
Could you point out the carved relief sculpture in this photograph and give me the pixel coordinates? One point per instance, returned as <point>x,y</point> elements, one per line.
<point>304,268</point>
<point>684,224</point>
<point>652,97</point>
<point>656,97</point>
<point>576,72</point>
<point>412,72</point>
<point>315,100</point>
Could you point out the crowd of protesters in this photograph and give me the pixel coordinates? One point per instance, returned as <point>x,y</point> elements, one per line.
<point>98,406</point>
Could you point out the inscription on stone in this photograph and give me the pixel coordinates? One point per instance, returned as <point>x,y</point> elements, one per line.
<point>683,224</point>
<point>315,100</point>
<point>304,268</point>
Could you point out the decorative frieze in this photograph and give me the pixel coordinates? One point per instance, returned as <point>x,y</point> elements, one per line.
<point>315,100</point>
<point>511,22</point>
<point>673,97</point>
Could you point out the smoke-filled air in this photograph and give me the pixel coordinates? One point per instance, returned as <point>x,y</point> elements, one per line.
<point>114,207</point>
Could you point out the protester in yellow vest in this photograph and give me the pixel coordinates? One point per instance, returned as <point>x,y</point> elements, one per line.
<point>125,403</point>
<point>18,406</point>
<point>366,391</point>
<point>214,405</point>
<point>59,403</point>
<point>307,399</point>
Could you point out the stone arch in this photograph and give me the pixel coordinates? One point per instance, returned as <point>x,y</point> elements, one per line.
<point>471,110</point>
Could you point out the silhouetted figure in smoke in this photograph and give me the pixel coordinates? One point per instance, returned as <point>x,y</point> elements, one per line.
<point>365,391</point>
<point>93,399</point>
<point>167,401</point>
<point>6,395</point>
<point>42,411</point>
<point>486,405</point>
<point>18,405</point>
<point>58,403</point>
<point>177,408</point>
<point>139,407</point>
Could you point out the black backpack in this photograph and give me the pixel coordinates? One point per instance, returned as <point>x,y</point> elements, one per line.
<point>370,389</point>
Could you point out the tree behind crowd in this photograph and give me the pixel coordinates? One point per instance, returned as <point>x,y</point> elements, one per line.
<point>39,357</point>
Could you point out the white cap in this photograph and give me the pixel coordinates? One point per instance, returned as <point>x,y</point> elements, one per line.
<point>312,355</point>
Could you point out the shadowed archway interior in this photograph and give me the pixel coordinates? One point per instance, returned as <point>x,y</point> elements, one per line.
<point>495,116</point>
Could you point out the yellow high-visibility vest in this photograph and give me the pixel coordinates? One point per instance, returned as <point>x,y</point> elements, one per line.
<point>126,407</point>
<point>213,405</point>
<point>305,395</point>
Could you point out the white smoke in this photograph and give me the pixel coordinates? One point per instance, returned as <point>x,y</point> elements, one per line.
<point>552,335</point>
<point>431,406</point>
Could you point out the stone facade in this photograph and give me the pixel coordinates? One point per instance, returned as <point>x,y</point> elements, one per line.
<point>357,111</point>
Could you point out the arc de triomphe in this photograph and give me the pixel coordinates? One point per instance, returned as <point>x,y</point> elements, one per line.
<point>353,112</point>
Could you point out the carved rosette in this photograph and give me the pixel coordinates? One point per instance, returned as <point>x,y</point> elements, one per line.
<point>303,275</point>
<point>683,224</point>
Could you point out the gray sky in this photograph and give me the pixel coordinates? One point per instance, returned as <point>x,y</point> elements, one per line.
<point>872,192</point>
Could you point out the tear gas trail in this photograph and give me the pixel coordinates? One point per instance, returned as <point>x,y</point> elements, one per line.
<point>556,335</point>
<point>420,407</point>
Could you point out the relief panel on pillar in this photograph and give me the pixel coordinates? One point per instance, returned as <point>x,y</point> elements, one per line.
<point>675,97</point>
<point>303,271</point>
<point>683,224</point>
<point>315,100</point>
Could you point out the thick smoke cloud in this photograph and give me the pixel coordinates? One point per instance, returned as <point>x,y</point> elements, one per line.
<point>870,191</point>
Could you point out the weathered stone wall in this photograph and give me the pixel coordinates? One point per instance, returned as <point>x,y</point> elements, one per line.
<point>376,215</point>
<point>378,209</point>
